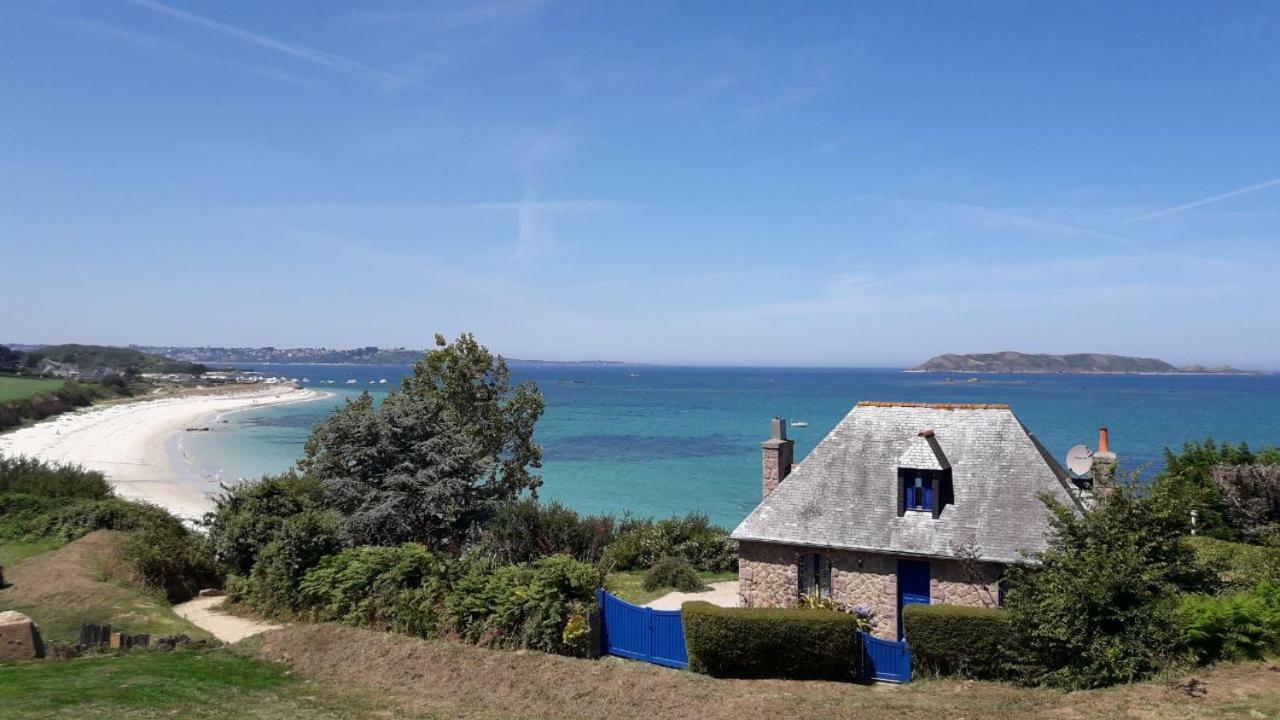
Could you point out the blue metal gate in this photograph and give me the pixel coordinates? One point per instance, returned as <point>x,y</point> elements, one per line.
<point>885,660</point>
<point>641,633</point>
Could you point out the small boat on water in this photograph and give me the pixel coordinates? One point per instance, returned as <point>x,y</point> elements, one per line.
<point>799,423</point>
<point>352,381</point>
<point>383,381</point>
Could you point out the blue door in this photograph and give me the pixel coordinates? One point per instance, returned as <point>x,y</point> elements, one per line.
<point>913,586</point>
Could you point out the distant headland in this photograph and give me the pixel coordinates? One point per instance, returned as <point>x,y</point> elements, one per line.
<point>370,355</point>
<point>1077,363</point>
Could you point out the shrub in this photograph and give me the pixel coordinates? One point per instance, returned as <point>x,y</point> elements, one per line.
<point>33,477</point>
<point>527,530</point>
<point>641,543</point>
<point>523,606</point>
<point>247,516</point>
<point>1099,608</point>
<point>167,556</point>
<point>1239,564</point>
<point>302,541</point>
<point>1231,627</point>
<point>395,588</point>
<point>673,572</point>
<point>954,640</point>
<point>84,516</point>
<point>799,644</point>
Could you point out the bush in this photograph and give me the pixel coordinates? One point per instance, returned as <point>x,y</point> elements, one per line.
<point>33,477</point>
<point>167,556</point>
<point>523,606</point>
<point>302,541</point>
<point>1232,627</point>
<point>247,516</point>
<point>641,543</point>
<point>391,588</point>
<point>1240,565</point>
<point>1099,607</point>
<point>527,530</point>
<point>675,573</point>
<point>771,642</point>
<point>953,640</point>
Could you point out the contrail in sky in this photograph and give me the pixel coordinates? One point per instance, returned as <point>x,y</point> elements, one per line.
<point>301,52</point>
<point>1205,201</point>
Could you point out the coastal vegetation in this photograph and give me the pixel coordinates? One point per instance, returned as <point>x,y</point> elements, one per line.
<point>420,515</point>
<point>1017,362</point>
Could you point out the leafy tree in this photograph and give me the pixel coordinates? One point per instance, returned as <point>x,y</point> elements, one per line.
<point>1187,482</point>
<point>400,472</point>
<point>9,359</point>
<point>1100,606</point>
<point>473,388</point>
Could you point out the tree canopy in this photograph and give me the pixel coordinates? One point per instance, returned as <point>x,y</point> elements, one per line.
<point>438,456</point>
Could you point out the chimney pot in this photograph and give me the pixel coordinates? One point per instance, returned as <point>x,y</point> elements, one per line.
<point>1104,440</point>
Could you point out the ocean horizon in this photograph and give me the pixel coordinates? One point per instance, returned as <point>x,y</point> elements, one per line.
<point>656,440</point>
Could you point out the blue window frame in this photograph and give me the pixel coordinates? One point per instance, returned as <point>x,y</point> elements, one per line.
<point>917,492</point>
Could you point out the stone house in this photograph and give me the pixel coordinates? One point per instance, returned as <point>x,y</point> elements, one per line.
<point>901,503</point>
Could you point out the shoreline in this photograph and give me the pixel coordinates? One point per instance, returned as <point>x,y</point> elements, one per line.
<point>130,443</point>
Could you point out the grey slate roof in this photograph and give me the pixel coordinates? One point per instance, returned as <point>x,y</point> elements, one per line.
<point>845,493</point>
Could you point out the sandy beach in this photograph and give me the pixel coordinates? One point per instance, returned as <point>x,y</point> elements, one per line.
<point>129,442</point>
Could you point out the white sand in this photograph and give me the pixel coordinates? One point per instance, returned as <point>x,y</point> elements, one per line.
<point>128,442</point>
<point>724,594</point>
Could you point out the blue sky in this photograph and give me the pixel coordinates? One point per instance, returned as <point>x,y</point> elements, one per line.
<point>687,182</point>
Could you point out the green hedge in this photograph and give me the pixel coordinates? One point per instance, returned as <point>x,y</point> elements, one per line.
<point>1239,564</point>
<point>771,642</point>
<point>955,640</point>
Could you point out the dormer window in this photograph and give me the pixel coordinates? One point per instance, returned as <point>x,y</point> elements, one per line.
<point>924,477</point>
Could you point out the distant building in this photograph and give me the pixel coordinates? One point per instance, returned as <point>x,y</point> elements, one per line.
<point>901,503</point>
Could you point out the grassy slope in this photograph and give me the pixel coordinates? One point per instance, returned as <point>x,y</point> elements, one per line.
<point>13,388</point>
<point>215,684</point>
<point>630,585</point>
<point>83,582</point>
<point>463,681</point>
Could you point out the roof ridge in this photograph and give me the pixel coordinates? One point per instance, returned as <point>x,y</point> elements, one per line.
<point>934,406</point>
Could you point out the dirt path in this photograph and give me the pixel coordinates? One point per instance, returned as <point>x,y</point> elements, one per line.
<point>203,613</point>
<point>724,594</point>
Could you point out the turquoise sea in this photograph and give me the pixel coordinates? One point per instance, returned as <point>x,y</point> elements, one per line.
<point>664,440</point>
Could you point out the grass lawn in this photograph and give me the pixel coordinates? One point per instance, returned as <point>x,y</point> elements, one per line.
<point>630,585</point>
<point>13,388</point>
<point>12,551</point>
<point>85,582</point>
<point>188,684</point>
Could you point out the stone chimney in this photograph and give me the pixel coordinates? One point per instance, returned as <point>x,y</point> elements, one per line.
<point>1104,464</point>
<point>778,453</point>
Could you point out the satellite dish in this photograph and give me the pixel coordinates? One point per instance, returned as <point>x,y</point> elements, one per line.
<point>1080,461</point>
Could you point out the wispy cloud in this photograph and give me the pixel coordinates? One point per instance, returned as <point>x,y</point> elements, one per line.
<point>1000,217</point>
<point>1205,201</point>
<point>471,15</point>
<point>175,50</point>
<point>311,55</point>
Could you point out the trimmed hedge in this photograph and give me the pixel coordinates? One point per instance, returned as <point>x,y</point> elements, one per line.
<point>797,644</point>
<point>955,640</point>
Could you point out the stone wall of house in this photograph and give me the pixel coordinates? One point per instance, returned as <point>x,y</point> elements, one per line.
<point>768,576</point>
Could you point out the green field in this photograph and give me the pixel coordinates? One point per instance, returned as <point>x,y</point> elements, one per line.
<point>215,684</point>
<point>13,388</point>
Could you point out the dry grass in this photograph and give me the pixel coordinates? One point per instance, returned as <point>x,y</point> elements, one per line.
<point>468,682</point>
<point>83,582</point>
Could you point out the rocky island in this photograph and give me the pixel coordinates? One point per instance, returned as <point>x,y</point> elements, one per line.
<point>1077,363</point>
